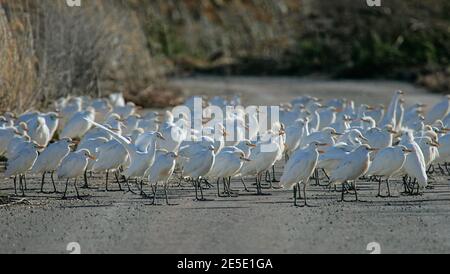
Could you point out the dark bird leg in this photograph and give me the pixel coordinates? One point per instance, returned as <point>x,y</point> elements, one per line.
<point>379,187</point>
<point>295,196</point>
<point>356,191</point>
<point>25,182</point>
<point>166,194</point>
<point>388,187</point>
<point>116,174</point>
<point>65,190</point>
<point>201,189</point>
<point>15,185</point>
<point>107,177</point>
<point>21,185</point>
<point>274,179</point>
<point>86,184</point>
<point>218,189</point>
<point>53,182</point>
<point>43,182</point>
<point>76,189</point>
<point>243,183</point>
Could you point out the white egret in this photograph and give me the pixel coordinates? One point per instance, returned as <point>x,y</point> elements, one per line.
<point>227,164</point>
<point>391,115</point>
<point>197,167</point>
<point>161,171</point>
<point>21,163</point>
<point>352,166</point>
<point>39,131</point>
<point>415,166</point>
<point>50,159</point>
<point>111,156</point>
<point>93,146</point>
<point>439,111</point>
<point>262,158</point>
<point>387,163</point>
<point>299,169</point>
<point>79,124</point>
<point>72,167</point>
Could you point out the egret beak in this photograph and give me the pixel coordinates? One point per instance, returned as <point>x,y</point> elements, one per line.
<point>370,108</point>
<point>408,151</point>
<point>337,134</point>
<point>160,136</point>
<point>392,131</point>
<point>93,158</point>
<point>433,144</point>
<point>374,149</point>
<point>245,159</point>
<point>251,145</point>
<point>321,151</point>
<point>323,145</point>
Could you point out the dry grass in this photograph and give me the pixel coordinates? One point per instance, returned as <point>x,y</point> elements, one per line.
<point>50,50</point>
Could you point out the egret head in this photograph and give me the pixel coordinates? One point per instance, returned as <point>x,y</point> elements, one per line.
<point>249,144</point>
<point>88,154</point>
<point>390,129</point>
<point>405,150</point>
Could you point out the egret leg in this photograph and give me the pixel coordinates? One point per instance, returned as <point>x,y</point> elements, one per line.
<point>166,194</point>
<point>129,187</point>
<point>447,168</point>
<point>53,182</point>
<point>226,191</point>
<point>243,183</point>
<point>356,191</point>
<point>116,174</point>
<point>379,187</point>
<point>76,189</point>
<point>343,193</point>
<point>274,179</point>
<point>304,195</point>
<point>326,174</point>
<point>43,182</point>
<point>22,177</point>
<point>65,190</point>
<point>207,184</point>
<point>299,191</point>
<point>196,191</point>
<point>107,175</point>
<point>268,178</point>
<point>201,189</point>
<point>295,195</point>
<point>25,182</point>
<point>258,184</point>
<point>86,184</point>
<point>15,185</point>
<point>155,191</point>
<point>388,187</point>
<point>218,189</point>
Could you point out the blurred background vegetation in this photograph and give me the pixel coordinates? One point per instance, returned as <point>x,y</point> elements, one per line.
<point>48,49</point>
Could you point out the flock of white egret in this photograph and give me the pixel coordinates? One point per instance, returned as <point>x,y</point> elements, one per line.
<point>334,142</point>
